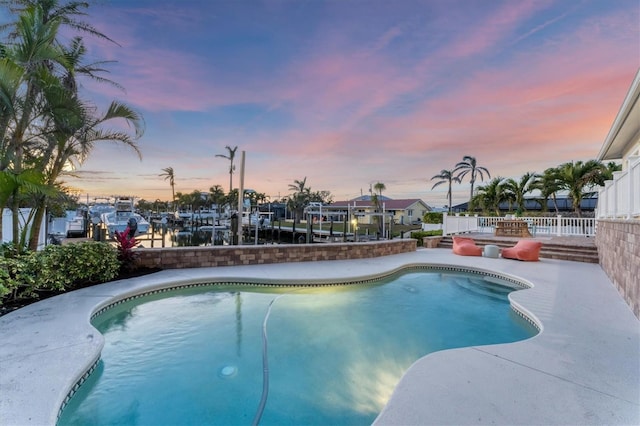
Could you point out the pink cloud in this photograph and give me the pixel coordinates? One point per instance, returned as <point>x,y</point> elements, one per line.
<point>498,27</point>
<point>537,108</point>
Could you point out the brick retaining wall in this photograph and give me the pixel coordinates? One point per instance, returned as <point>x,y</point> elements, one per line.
<point>618,244</point>
<point>198,257</point>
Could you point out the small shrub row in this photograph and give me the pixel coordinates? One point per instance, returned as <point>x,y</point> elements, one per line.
<point>57,268</point>
<point>418,235</point>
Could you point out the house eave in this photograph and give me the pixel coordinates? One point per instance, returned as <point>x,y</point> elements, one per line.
<point>625,129</point>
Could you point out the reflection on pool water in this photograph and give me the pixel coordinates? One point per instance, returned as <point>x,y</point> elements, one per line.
<point>335,353</point>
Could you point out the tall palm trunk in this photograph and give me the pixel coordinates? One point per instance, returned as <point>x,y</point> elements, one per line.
<point>17,144</point>
<point>555,203</point>
<point>37,223</point>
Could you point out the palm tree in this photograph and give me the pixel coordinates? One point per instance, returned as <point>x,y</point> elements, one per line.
<point>43,122</point>
<point>376,200</point>
<point>379,187</point>
<point>196,200</point>
<point>168,174</point>
<point>468,166</point>
<point>72,146</point>
<point>184,200</point>
<point>29,183</point>
<point>51,10</point>
<point>232,198</point>
<point>609,169</point>
<point>491,195</point>
<point>527,183</point>
<point>577,176</point>
<point>217,196</point>
<point>299,199</point>
<point>29,63</point>
<point>446,176</point>
<point>230,157</point>
<point>549,185</point>
<point>177,204</point>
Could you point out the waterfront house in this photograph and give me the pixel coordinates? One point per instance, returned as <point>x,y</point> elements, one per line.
<point>405,211</point>
<point>618,212</point>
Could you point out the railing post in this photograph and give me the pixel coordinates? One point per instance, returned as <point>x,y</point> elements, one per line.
<point>616,200</point>
<point>558,225</point>
<point>634,179</point>
<point>602,201</point>
<point>444,224</point>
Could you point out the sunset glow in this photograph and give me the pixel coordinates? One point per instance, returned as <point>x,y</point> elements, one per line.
<point>349,93</point>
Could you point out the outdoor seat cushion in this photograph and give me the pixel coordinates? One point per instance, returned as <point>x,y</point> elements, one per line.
<point>464,246</point>
<point>524,250</point>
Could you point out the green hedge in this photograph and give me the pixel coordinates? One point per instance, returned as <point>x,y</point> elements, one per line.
<point>432,217</point>
<point>83,263</point>
<point>57,268</point>
<point>18,277</point>
<point>418,235</point>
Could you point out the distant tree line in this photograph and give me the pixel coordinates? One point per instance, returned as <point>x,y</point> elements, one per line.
<point>300,197</point>
<point>577,178</point>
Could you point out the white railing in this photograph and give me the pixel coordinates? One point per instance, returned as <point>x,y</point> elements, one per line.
<point>24,216</point>
<point>620,197</point>
<point>538,226</point>
<point>431,226</point>
<point>459,224</point>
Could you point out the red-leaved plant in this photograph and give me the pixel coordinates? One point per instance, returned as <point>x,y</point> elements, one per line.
<point>126,255</point>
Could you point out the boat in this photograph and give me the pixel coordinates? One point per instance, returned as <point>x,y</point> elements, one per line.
<point>200,215</point>
<point>76,223</point>
<point>261,218</point>
<point>73,224</point>
<point>101,206</point>
<point>124,216</point>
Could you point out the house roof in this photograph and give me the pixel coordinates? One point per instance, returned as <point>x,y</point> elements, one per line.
<point>564,204</point>
<point>388,203</point>
<point>368,198</point>
<point>625,130</point>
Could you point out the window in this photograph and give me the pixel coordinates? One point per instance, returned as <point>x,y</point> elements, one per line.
<point>409,212</point>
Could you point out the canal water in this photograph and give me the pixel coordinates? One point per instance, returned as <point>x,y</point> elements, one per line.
<point>206,236</point>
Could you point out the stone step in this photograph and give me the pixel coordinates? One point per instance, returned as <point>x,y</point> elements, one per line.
<point>550,250</point>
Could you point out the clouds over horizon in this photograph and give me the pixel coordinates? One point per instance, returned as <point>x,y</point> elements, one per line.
<point>395,96</point>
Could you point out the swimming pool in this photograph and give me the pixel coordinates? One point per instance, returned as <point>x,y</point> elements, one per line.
<point>335,353</point>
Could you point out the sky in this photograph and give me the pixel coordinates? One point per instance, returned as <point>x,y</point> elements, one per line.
<point>347,93</point>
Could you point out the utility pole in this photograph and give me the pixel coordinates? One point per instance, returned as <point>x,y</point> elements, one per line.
<point>241,198</point>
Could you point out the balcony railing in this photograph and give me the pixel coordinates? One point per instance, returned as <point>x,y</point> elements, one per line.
<point>620,197</point>
<point>538,226</point>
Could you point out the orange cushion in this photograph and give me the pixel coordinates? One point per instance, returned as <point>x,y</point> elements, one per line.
<point>524,250</point>
<point>464,246</point>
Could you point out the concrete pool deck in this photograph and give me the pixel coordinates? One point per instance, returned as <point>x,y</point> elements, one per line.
<point>583,368</point>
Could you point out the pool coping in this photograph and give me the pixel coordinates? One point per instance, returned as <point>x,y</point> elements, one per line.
<point>581,369</point>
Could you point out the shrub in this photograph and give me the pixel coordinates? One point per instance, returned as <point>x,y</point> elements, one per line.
<point>73,265</point>
<point>57,268</point>
<point>432,217</point>
<point>18,276</point>
<point>127,257</point>
<point>418,235</point>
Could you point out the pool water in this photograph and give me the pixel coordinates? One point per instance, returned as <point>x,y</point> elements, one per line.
<point>335,354</point>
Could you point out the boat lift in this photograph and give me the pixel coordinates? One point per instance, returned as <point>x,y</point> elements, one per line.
<point>315,209</point>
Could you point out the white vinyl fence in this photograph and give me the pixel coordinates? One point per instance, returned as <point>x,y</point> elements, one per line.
<point>24,216</point>
<point>538,226</point>
<point>620,197</point>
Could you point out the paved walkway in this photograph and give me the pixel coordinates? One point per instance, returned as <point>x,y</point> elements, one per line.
<point>581,369</point>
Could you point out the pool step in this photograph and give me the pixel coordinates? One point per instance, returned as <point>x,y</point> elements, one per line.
<point>587,253</point>
<point>483,289</point>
